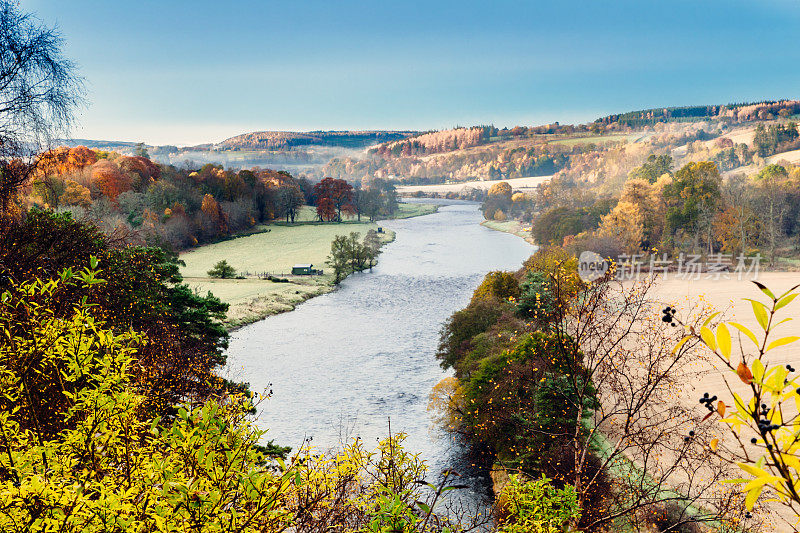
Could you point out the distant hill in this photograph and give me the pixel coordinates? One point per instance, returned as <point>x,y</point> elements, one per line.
<point>286,140</point>
<point>725,134</point>
<point>92,143</point>
<point>296,152</point>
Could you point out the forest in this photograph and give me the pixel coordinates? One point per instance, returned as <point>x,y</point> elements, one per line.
<point>147,203</point>
<point>690,210</point>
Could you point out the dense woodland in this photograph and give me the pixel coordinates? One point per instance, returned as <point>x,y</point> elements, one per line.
<point>283,140</point>
<point>735,112</point>
<point>691,209</point>
<point>135,199</point>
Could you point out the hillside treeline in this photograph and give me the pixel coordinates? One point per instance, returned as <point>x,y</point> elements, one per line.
<point>161,204</point>
<point>286,140</point>
<point>731,112</point>
<point>691,209</point>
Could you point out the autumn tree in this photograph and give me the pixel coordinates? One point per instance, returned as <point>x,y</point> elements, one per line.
<point>693,198</point>
<point>212,211</point>
<point>142,170</point>
<point>498,201</point>
<point>75,194</point>
<point>335,193</point>
<point>498,284</point>
<point>772,184</point>
<point>625,223</point>
<point>326,209</point>
<point>501,189</point>
<point>109,179</point>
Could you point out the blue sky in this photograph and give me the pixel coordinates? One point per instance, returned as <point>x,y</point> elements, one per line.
<point>185,72</point>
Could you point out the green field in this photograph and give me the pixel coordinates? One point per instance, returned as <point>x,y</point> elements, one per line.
<point>597,139</point>
<point>273,251</point>
<point>408,210</point>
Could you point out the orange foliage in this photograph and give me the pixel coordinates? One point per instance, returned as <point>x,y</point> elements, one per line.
<point>274,178</point>
<point>63,160</point>
<point>142,166</point>
<point>110,179</point>
<point>210,207</point>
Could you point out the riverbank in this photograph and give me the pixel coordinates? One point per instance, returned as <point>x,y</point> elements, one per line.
<point>528,184</point>
<point>273,251</point>
<point>513,227</point>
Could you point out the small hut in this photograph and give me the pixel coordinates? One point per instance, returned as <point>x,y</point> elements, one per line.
<point>303,270</point>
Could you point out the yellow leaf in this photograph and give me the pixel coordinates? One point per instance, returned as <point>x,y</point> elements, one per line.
<point>758,371</point>
<point>753,470</point>
<point>681,343</point>
<point>786,300</point>
<point>752,496</point>
<point>782,342</point>
<point>760,312</point>
<point>713,444</point>
<point>724,341</point>
<point>708,338</point>
<point>746,331</point>
<point>709,319</point>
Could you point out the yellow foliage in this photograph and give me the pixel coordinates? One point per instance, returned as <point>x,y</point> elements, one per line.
<point>75,194</point>
<point>519,197</point>
<point>497,284</point>
<point>625,223</point>
<point>501,189</point>
<point>114,469</point>
<point>772,457</point>
<point>447,403</point>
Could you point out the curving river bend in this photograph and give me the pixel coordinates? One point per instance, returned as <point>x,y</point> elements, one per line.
<point>343,364</point>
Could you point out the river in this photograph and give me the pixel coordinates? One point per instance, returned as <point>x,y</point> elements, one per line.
<point>346,363</point>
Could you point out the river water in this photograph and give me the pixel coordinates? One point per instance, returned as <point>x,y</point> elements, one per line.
<point>347,363</point>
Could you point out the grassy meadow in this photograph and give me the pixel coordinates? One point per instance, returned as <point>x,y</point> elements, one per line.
<point>273,250</point>
<point>597,139</point>
<point>408,210</point>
